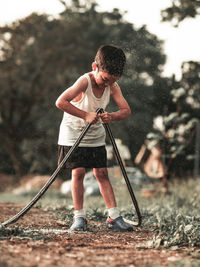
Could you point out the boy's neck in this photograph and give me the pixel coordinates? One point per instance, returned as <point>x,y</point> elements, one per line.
<point>97,90</point>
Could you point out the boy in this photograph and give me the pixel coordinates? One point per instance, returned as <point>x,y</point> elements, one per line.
<point>79,103</point>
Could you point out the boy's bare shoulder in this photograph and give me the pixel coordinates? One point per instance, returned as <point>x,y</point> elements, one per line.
<point>83,80</point>
<point>82,83</point>
<point>114,88</point>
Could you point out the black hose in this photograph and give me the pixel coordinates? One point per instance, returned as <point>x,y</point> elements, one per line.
<point>49,182</point>
<point>108,130</point>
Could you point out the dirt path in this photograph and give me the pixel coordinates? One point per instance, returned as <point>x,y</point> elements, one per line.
<point>96,247</point>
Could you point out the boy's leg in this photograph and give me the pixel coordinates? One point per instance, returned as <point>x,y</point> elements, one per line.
<point>77,189</point>
<point>105,187</point>
<point>114,221</point>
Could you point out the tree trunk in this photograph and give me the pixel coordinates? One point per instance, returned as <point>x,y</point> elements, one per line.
<point>15,156</point>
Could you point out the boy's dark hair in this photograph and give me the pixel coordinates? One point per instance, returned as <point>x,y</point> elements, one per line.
<point>110,59</point>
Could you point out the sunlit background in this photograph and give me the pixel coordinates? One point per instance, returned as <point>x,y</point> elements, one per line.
<point>181,43</point>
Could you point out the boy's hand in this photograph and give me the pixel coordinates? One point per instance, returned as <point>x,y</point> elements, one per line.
<point>91,117</point>
<point>105,117</point>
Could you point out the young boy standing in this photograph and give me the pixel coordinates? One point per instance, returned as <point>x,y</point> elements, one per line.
<point>79,103</point>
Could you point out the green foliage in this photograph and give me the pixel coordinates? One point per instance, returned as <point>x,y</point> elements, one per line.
<point>179,134</point>
<point>176,217</point>
<point>40,56</point>
<point>181,9</point>
<point>25,94</point>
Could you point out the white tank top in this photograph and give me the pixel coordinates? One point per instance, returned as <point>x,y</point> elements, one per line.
<point>72,126</point>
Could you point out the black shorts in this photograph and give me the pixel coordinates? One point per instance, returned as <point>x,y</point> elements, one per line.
<point>87,157</point>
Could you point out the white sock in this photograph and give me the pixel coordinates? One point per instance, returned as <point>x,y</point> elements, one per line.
<point>113,213</point>
<point>79,213</point>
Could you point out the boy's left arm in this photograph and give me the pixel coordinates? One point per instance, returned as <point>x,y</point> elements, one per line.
<point>124,108</point>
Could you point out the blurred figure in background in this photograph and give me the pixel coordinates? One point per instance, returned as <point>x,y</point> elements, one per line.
<point>149,159</point>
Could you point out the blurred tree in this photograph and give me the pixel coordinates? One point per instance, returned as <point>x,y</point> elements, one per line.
<point>41,55</point>
<point>181,123</point>
<point>181,9</point>
<point>178,136</point>
<point>182,127</point>
<point>28,81</point>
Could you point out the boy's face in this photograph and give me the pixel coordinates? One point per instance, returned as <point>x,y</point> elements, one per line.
<point>104,79</point>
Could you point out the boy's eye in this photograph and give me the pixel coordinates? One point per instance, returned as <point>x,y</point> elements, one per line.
<point>105,80</point>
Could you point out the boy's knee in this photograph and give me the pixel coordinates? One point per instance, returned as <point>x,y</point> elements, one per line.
<point>101,174</point>
<point>78,173</point>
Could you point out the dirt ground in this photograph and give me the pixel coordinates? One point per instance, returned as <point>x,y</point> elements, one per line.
<point>96,247</point>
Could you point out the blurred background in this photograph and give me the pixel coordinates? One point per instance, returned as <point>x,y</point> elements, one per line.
<point>46,45</point>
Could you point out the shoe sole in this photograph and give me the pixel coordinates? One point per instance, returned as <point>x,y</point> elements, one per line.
<point>111,227</point>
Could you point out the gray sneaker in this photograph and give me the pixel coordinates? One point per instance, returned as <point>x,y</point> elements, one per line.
<point>118,224</point>
<point>79,224</point>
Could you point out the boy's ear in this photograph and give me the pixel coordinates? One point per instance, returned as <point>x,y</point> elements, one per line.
<point>94,66</point>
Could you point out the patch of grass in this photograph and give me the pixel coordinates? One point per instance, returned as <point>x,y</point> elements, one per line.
<point>16,232</point>
<point>177,216</point>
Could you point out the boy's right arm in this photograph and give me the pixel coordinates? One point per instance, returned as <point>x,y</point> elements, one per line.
<point>72,93</point>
